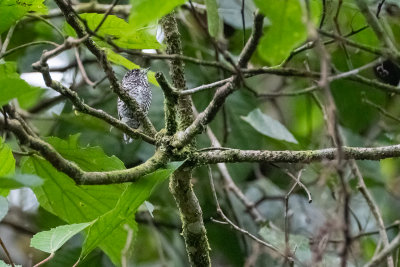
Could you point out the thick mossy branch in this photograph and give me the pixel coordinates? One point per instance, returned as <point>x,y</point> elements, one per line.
<point>290,156</point>
<point>170,104</point>
<point>193,229</point>
<point>174,46</point>
<point>158,160</point>
<point>101,56</point>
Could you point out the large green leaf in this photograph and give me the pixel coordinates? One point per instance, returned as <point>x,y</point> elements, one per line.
<point>88,158</point>
<point>124,211</point>
<point>145,11</point>
<point>13,10</point>
<point>287,27</point>
<point>268,126</point>
<point>122,34</point>
<point>212,17</point>
<point>76,204</point>
<point>50,241</point>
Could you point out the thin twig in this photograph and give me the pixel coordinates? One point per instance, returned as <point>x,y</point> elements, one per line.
<point>234,226</point>
<point>378,10</point>
<point>7,40</point>
<point>12,50</point>
<point>6,252</point>
<point>108,12</point>
<point>45,260</point>
<point>82,68</point>
<point>374,209</point>
<point>205,87</point>
<point>380,109</point>
<point>48,23</point>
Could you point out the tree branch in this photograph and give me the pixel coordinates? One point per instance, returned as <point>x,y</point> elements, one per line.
<point>170,103</point>
<point>158,160</point>
<point>193,230</point>
<point>290,156</point>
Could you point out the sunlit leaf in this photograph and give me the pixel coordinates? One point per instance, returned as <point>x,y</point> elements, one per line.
<point>13,10</point>
<point>7,161</point>
<point>8,68</point>
<point>145,11</point>
<point>50,241</point>
<point>120,32</point>
<point>287,28</point>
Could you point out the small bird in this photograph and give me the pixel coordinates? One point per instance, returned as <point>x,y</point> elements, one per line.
<point>388,72</point>
<point>134,82</point>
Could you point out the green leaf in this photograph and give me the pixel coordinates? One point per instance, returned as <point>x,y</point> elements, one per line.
<point>145,11</point>
<point>7,160</point>
<point>76,204</point>
<point>88,158</point>
<point>8,68</point>
<point>13,10</point>
<point>50,241</point>
<point>287,30</point>
<point>15,88</point>
<point>124,211</point>
<point>3,207</point>
<point>122,34</point>
<point>212,17</point>
<point>20,180</point>
<point>268,126</point>
<point>120,60</point>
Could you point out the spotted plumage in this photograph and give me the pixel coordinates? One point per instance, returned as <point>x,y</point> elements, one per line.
<point>135,82</point>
